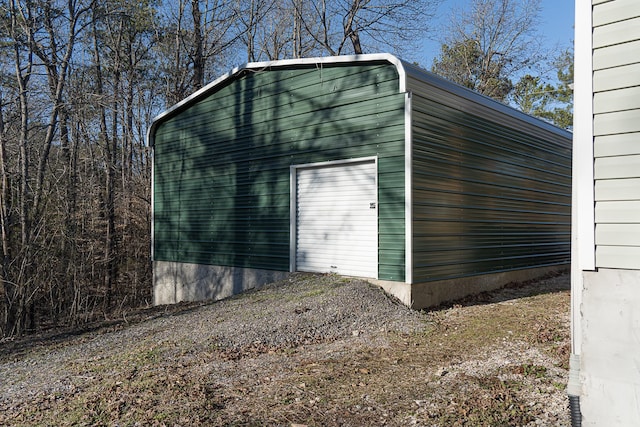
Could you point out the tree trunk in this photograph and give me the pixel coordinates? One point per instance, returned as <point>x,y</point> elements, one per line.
<point>351,33</point>
<point>297,29</point>
<point>198,54</point>
<point>108,165</point>
<point>5,230</point>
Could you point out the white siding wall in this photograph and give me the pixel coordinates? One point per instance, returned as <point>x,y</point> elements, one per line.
<point>605,315</point>
<point>616,126</point>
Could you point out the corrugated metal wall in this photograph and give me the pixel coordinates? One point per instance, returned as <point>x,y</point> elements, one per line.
<point>616,107</point>
<point>221,167</point>
<point>490,192</point>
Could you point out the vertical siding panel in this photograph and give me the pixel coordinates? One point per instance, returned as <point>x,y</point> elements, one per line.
<point>616,78</point>
<point>617,189</point>
<point>617,122</point>
<point>615,56</point>
<point>617,167</point>
<point>617,100</point>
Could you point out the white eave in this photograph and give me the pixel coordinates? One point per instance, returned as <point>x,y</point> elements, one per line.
<point>402,67</point>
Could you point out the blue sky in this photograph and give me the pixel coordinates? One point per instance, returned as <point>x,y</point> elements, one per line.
<point>556,19</point>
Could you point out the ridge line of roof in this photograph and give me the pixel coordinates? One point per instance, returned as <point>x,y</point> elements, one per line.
<point>372,57</point>
<point>404,69</point>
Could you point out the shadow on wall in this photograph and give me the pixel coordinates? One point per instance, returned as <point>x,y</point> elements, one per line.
<point>222,172</point>
<point>176,282</point>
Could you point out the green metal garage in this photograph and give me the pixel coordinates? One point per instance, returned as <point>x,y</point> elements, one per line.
<point>359,165</point>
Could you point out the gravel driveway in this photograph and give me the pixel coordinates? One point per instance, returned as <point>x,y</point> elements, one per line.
<point>310,350</point>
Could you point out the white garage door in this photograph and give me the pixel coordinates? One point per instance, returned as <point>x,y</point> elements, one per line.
<point>337,219</point>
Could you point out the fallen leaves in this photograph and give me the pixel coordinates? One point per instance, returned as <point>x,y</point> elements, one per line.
<point>500,364</point>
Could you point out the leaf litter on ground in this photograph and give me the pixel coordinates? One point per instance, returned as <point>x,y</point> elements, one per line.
<point>314,350</point>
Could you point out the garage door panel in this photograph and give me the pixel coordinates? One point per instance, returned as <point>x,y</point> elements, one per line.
<point>337,223</point>
<point>335,245</point>
<point>342,260</point>
<point>337,219</point>
<point>316,195</point>
<point>332,198</point>
<point>320,239</point>
<point>329,211</point>
<point>345,267</point>
<point>345,248</point>
<point>319,182</point>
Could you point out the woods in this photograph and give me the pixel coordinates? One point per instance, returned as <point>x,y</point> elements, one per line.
<point>495,48</point>
<point>74,170</point>
<point>79,82</point>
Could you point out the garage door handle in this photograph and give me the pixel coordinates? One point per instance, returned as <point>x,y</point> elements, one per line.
<point>372,205</point>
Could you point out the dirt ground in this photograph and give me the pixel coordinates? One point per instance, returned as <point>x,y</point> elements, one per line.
<point>313,350</point>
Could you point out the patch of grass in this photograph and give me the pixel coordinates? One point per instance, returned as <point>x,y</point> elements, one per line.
<point>147,356</point>
<point>531,370</point>
<point>313,293</point>
<point>153,397</point>
<point>488,401</point>
<point>532,319</point>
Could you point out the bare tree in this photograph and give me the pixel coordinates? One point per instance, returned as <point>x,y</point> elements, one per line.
<point>298,21</point>
<point>251,15</point>
<point>196,35</point>
<point>122,39</point>
<point>272,30</point>
<point>301,28</point>
<point>356,26</point>
<point>43,39</point>
<point>6,293</point>
<point>489,44</point>
<point>70,128</point>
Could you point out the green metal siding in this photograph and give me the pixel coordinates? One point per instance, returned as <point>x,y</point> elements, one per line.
<point>221,166</point>
<point>490,192</point>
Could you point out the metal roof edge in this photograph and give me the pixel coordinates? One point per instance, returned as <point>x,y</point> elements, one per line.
<point>480,99</point>
<point>399,64</point>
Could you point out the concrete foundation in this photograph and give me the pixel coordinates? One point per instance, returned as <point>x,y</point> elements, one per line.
<point>431,294</point>
<point>174,281</point>
<point>610,359</point>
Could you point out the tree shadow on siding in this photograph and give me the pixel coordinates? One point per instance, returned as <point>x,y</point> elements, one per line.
<point>245,221</point>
